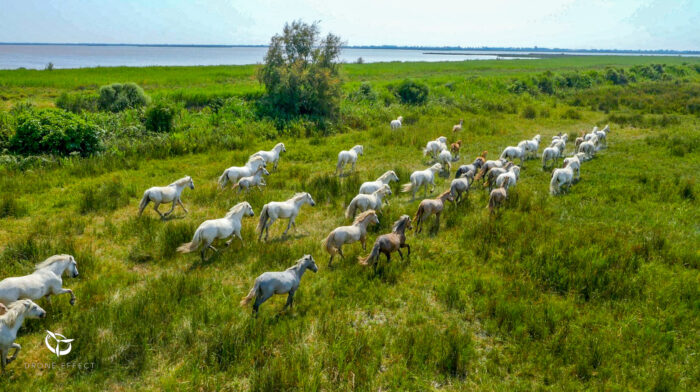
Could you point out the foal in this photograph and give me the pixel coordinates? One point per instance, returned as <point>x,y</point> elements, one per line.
<point>387,243</point>
<point>429,207</point>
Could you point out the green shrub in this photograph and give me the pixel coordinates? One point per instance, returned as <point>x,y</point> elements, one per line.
<point>529,112</point>
<point>411,92</point>
<point>301,73</point>
<point>364,93</point>
<point>77,102</point>
<point>571,114</point>
<point>51,131</point>
<point>118,97</point>
<point>159,118</point>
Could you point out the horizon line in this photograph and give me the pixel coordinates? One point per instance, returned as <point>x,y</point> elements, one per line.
<point>413,47</point>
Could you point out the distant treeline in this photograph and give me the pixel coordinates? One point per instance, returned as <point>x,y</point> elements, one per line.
<point>389,47</point>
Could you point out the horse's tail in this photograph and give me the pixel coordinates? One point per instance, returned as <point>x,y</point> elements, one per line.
<point>328,244</point>
<point>503,154</point>
<point>263,219</point>
<point>371,256</point>
<point>419,212</point>
<point>191,246</point>
<point>544,158</point>
<point>480,174</point>
<point>350,211</point>
<point>223,179</point>
<point>552,185</point>
<point>251,294</point>
<point>144,202</point>
<point>407,187</point>
<point>425,151</point>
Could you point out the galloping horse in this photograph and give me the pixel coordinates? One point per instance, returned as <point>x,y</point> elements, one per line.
<point>272,155</point>
<point>166,194</point>
<point>367,202</point>
<point>429,207</point>
<point>396,124</point>
<point>387,243</point>
<point>234,173</point>
<point>342,235</point>
<point>46,280</point>
<point>245,183</point>
<point>222,228</point>
<point>369,187</point>
<point>282,209</point>
<point>422,178</point>
<point>10,322</point>
<point>271,283</point>
<point>348,156</point>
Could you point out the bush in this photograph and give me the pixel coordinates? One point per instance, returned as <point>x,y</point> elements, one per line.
<point>301,73</point>
<point>118,97</point>
<point>411,92</point>
<point>52,131</point>
<point>571,114</point>
<point>77,102</point>
<point>364,93</point>
<point>159,118</point>
<point>529,112</point>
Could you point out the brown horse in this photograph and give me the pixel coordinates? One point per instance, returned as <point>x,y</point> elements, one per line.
<point>454,147</point>
<point>429,207</point>
<point>388,243</point>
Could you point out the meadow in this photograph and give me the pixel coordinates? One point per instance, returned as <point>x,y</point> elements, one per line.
<point>595,289</point>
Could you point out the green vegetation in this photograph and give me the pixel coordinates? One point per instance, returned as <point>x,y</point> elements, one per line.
<point>54,132</point>
<point>594,289</point>
<point>300,73</point>
<point>118,97</point>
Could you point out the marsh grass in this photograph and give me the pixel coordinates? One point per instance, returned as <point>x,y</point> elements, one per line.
<point>594,289</point>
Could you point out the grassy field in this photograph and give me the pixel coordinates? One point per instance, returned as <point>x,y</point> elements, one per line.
<point>595,289</point>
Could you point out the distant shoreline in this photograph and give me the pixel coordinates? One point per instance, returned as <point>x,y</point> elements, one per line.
<point>432,49</point>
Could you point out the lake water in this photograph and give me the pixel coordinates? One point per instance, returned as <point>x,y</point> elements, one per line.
<point>80,56</point>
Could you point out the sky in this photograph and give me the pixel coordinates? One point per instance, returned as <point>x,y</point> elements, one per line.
<point>579,24</point>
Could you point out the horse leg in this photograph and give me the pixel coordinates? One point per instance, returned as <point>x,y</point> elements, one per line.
<point>406,246</point>
<point>182,205</point>
<point>172,208</point>
<point>340,252</point>
<point>437,221</point>
<point>267,227</point>
<point>63,291</point>
<point>400,254</point>
<point>290,299</point>
<point>17,347</point>
<point>3,360</point>
<point>288,226</point>
<point>155,207</point>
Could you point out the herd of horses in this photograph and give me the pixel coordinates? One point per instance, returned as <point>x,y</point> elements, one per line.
<point>499,175</point>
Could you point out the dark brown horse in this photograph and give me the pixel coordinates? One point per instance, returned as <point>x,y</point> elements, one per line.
<point>388,243</point>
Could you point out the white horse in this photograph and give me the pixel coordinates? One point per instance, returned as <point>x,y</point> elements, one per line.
<point>343,235</point>
<point>222,228</point>
<point>560,178</point>
<point>234,173</point>
<point>446,159</point>
<point>272,155</point>
<point>271,283</point>
<point>367,202</point>
<point>256,179</point>
<point>435,146</point>
<point>512,153</point>
<point>457,127</point>
<point>10,322</point>
<point>530,146</point>
<point>282,209</point>
<point>574,163</point>
<point>45,281</point>
<point>603,135</point>
<point>422,178</point>
<point>509,178</point>
<point>550,154</point>
<point>348,156</point>
<point>166,194</point>
<point>396,124</point>
<point>460,185</point>
<point>589,147</point>
<point>369,187</point>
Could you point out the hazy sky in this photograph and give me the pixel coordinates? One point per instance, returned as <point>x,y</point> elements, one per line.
<point>625,24</point>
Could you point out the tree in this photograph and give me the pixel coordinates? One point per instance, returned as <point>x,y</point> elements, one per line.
<point>301,72</point>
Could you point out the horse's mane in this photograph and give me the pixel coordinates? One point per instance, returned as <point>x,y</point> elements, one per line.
<point>297,264</point>
<point>13,311</point>
<point>255,158</point>
<point>387,174</point>
<point>51,260</point>
<point>399,224</point>
<point>278,145</point>
<point>182,181</point>
<point>363,216</point>
<point>237,208</point>
<point>298,196</point>
<point>443,194</point>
